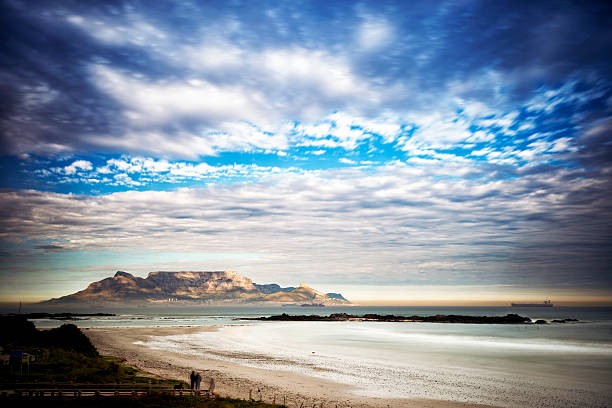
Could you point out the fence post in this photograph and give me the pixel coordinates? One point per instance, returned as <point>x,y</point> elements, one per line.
<point>251,394</point>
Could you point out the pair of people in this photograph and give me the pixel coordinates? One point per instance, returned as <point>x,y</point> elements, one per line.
<point>196,379</point>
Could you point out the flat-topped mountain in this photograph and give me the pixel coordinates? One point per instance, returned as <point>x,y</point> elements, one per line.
<point>193,287</point>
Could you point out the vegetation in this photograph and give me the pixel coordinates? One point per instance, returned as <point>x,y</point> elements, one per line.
<point>65,355</point>
<point>20,333</point>
<point>62,355</point>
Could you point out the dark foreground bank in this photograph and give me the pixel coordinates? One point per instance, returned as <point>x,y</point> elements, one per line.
<point>153,400</point>
<point>61,368</point>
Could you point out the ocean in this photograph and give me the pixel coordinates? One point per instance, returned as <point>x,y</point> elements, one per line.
<point>505,365</point>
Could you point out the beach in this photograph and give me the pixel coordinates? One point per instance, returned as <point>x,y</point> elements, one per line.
<point>240,371</point>
<point>237,381</point>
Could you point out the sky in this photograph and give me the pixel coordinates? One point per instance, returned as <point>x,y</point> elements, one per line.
<point>397,152</point>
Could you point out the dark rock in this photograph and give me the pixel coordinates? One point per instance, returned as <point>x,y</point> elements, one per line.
<point>508,319</point>
<point>564,320</point>
<point>540,321</point>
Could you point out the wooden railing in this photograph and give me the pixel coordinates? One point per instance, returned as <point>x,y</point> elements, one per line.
<point>74,390</point>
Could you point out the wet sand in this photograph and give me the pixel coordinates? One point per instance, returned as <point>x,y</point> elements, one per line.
<point>237,381</point>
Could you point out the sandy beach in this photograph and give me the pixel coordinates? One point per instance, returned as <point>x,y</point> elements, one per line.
<point>238,381</point>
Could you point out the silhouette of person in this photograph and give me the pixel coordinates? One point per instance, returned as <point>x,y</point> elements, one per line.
<point>198,380</point>
<point>192,377</point>
<point>211,386</point>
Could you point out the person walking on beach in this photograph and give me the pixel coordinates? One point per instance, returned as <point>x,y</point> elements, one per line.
<point>192,377</point>
<point>211,386</point>
<point>198,380</point>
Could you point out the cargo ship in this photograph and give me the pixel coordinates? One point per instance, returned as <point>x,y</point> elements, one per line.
<point>545,304</point>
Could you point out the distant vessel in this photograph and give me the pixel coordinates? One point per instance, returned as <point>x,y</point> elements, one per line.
<point>313,305</point>
<point>545,304</point>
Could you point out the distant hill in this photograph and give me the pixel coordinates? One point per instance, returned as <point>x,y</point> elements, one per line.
<point>336,296</point>
<point>189,287</point>
<point>302,294</point>
<point>272,288</point>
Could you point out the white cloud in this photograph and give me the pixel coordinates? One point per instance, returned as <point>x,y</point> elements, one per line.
<point>76,166</point>
<point>329,76</point>
<point>346,131</point>
<point>134,30</point>
<point>435,131</point>
<point>123,179</point>
<point>346,161</point>
<point>213,55</point>
<point>389,220</point>
<point>374,32</point>
<point>157,103</point>
<point>284,85</point>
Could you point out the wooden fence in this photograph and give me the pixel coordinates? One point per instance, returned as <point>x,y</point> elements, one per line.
<point>73,390</point>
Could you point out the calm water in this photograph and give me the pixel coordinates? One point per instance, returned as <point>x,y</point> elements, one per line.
<point>508,365</point>
<point>216,315</point>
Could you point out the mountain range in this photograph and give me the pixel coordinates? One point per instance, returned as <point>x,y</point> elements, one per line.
<point>191,287</point>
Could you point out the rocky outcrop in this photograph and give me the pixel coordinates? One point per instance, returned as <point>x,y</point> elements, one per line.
<point>508,319</point>
<point>199,284</point>
<point>564,320</point>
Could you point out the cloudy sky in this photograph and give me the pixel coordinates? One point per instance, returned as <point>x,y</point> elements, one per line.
<point>434,151</point>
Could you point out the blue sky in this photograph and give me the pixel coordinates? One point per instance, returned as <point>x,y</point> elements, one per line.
<point>457,145</point>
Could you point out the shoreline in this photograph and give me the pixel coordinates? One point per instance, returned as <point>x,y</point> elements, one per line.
<point>236,381</point>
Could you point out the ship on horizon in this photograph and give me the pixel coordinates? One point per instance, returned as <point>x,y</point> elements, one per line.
<point>546,303</point>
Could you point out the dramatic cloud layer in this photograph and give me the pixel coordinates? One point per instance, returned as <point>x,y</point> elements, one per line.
<point>387,143</point>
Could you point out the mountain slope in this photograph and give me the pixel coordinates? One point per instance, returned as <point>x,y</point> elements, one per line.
<point>165,286</point>
<point>189,287</point>
<point>272,288</point>
<point>336,296</point>
<point>304,294</point>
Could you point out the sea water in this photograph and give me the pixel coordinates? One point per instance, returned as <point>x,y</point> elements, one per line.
<point>508,365</point>
<point>215,315</point>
